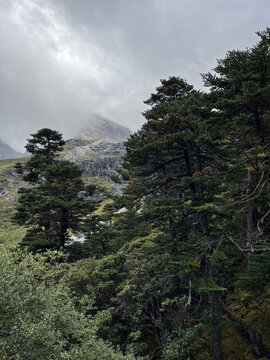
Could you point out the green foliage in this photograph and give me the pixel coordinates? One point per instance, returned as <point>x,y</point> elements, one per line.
<point>39,319</point>
<point>256,278</point>
<point>44,145</point>
<point>199,171</point>
<point>9,233</point>
<point>185,344</point>
<point>57,204</point>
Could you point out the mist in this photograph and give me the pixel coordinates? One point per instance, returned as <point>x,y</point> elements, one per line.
<point>63,61</point>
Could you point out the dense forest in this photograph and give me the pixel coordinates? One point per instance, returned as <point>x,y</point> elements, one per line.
<point>177,266</point>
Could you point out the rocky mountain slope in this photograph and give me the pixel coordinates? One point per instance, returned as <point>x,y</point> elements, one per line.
<point>100,129</point>
<point>10,182</point>
<point>100,159</point>
<point>98,148</point>
<point>6,151</point>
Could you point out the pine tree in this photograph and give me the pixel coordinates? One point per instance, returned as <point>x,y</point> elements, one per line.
<point>174,177</point>
<point>56,206</point>
<point>45,146</point>
<point>240,95</point>
<point>240,89</point>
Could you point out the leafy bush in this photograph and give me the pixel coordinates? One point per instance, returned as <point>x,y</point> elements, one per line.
<point>38,318</point>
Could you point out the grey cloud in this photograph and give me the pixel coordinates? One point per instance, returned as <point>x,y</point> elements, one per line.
<point>63,60</point>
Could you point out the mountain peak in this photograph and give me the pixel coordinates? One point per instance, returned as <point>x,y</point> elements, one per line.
<point>100,129</point>
<point>6,151</point>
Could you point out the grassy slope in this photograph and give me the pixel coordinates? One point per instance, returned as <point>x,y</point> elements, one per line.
<point>9,184</point>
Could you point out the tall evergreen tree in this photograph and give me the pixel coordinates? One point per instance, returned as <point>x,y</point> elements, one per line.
<point>172,164</point>
<point>56,206</point>
<point>45,146</point>
<point>240,95</point>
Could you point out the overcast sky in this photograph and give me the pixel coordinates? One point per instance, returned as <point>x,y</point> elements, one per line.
<point>63,60</point>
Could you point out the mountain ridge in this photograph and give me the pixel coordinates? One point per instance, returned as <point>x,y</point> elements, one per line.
<point>103,130</point>
<point>98,148</point>
<point>7,152</point>
<point>99,130</point>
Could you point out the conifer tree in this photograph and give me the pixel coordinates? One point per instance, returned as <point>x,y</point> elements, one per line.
<point>173,170</point>
<point>56,205</point>
<point>45,146</point>
<point>240,89</point>
<point>240,95</point>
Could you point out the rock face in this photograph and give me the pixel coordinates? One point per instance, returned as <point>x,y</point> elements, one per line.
<point>100,159</point>
<point>99,148</point>
<point>6,152</point>
<point>104,159</point>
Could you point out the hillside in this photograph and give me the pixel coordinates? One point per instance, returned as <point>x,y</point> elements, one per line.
<point>6,151</point>
<point>10,182</point>
<point>97,149</point>
<point>100,129</point>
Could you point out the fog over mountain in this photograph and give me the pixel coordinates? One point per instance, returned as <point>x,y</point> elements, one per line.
<point>63,61</point>
<point>100,129</point>
<point>6,152</point>
<point>100,135</point>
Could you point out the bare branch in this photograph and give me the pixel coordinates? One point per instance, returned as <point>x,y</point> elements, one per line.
<point>249,250</point>
<point>261,221</point>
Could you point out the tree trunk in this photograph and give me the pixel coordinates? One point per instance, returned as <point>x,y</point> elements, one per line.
<point>215,309</point>
<point>250,218</point>
<point>216,330</point>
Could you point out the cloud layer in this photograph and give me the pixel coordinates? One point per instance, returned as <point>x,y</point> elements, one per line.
<point>61,61</point>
